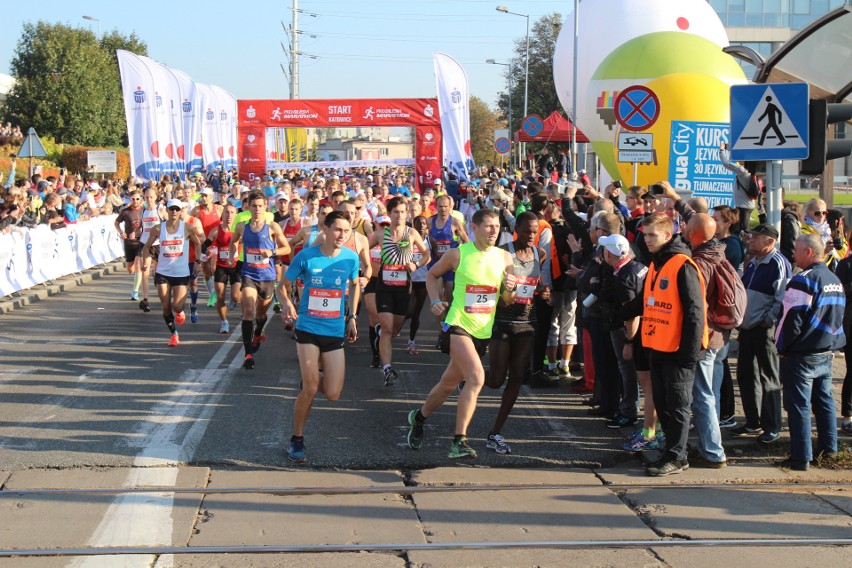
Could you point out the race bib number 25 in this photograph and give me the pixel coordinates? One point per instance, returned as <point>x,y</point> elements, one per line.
<point>480,299</point>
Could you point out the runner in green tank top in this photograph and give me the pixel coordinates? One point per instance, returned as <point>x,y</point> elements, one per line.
<point>482,272</point>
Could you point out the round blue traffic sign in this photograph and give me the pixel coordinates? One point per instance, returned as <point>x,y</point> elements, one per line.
<point>637,108</point>
<point>502,145</point>
<point>532,125</point>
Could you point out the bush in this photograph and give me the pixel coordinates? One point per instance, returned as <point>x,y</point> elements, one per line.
<point>75,159</point>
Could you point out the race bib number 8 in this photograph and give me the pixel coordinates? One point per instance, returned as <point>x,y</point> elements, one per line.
<point>324,303</point>
<point>480,299</point>
<point>394,275</point>
<point>526,289</point>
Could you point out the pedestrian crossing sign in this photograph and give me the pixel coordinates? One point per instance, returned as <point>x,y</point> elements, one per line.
<point>769,121</point>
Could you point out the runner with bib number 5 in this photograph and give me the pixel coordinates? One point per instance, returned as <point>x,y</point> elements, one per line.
<point>481,272</point>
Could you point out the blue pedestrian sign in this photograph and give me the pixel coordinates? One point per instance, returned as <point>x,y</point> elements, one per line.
<point>532,125</point>
<point>769,121</point>
<point>637,108</point>
<point>502,145</point>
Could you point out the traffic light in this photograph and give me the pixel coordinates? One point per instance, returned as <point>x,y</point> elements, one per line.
<point>822,114</point>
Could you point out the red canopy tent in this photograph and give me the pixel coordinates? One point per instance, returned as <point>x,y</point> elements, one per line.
<point>556,128</point>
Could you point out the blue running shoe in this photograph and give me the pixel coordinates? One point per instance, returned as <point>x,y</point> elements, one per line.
<point>193,315</point>
<point>296,450</point>
<point>134,295</point>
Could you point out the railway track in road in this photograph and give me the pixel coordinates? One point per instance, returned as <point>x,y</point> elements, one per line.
<point>413,490</point>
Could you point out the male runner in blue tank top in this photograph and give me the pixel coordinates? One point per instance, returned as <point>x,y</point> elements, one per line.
<point>445,232</point>
<point>262,241</point>
<point>328,270</point>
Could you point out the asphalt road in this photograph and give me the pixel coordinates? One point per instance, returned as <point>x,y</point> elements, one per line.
<point>86,379</point>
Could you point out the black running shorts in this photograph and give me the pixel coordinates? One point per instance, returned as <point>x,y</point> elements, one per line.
<point>325,343</point>
<point>173,281</point>
<point>395,302</point>
<point>227,275</point>
<point>479,344</point>
<point>132,250</point>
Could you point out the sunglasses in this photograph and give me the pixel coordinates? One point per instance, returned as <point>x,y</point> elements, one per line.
<point>136,199</point>
<point>820,213</point>
<point>174,208</point>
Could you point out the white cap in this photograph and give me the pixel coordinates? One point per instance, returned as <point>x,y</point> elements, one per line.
<point>281,195</point>
<point>175,203</point>
<point>205,191</point>
<point>94,185</point>
<point>438,181</point>
<point>616,244</point>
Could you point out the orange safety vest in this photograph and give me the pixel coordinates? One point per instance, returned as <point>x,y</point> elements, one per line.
<point>662,318</point>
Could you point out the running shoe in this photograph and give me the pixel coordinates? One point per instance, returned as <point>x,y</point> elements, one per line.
<point>415,431</point>
<point>174,340</point>
<point>620,421</point>
<point>563,371</point>
<point>639,443</point>
<point>211,301</point>
<point>180,318</point>
<point>256,341</point>
<point>390,376</point>
<point>248,363</point>
<point>461,449</point>
<point>143,305</point>
<point>667,467</point>
<point>225,327</point>
<point>729,422</point>
<point>134,295</point>
<point>768,437</point>
<point>412,348</point>
<point>375,363</point>
<point>746,430</point>
<point>497,443</point>
<point>296,450</point>
<point>193,315</point>
<point>276,307</point>
<point>232,305</point>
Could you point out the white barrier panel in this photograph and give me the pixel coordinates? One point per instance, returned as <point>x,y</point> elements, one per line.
<point>343,164</point>
<point>33,256</point>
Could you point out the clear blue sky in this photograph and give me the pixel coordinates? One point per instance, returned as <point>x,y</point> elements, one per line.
<point>372,48</point>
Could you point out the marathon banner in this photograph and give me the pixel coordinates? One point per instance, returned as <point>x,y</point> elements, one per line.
<point>260,123</point>
<point>34,256</point>
<point>174,124</point>
<point>341,165</point>
<point>454,105</point>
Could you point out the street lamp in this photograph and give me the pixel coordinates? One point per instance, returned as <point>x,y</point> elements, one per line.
<point>93,19</point>
<point>505,10</point>
<point>511,88</point>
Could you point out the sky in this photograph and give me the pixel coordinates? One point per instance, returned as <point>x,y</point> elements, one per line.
<point>371,48</point>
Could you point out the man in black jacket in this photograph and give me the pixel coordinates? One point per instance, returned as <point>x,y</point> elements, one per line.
<point>674,329</point>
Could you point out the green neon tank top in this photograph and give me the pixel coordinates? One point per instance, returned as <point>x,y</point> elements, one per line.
<point>477,287</point>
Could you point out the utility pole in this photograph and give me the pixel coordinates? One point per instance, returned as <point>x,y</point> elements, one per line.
<point>294,53</point>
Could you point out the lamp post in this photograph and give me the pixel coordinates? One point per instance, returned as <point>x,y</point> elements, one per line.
<point>511,88</point>
<point>93,19</point>
<point>505,10</point>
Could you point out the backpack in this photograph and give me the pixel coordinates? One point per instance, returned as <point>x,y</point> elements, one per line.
<point>753,187</point>
<point>726,304</point>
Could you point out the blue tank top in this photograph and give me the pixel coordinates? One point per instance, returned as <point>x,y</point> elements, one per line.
<point>312,237</point>
<point>255,265</point>
<point>443,238</point>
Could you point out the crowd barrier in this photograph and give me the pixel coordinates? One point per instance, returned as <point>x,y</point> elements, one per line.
<point>33,256</point>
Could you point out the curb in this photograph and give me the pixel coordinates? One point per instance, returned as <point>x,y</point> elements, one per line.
<point>63,284</point>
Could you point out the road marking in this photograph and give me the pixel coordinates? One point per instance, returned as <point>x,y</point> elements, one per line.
<point>138,519</point>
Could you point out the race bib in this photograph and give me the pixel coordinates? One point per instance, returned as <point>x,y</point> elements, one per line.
<point>417,257</point>
<point>441,247</point>
<point>376,254</point>
<point>394,275</point>
<point>324,303</point>
<point>172,249</point>
<point>526,289</point>
<point>149,224</point>
<point>255,259</point>
<point>480,299</point>
<point>224,255</point>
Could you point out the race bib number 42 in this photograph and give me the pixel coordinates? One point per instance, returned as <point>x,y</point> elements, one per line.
<point>480,299</point>
<point>394,275</point>
<point>324,303</point>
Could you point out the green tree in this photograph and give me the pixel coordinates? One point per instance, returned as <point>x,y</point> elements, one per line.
<point>483,123</point>
<point>67,84</point>
<point>542,90</point>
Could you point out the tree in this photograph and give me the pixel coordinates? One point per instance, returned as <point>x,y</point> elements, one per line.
<point>67,84</point>
<point>542,89</point>
<point>483,123</point>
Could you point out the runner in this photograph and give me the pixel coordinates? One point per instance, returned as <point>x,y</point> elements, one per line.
<point>393,287</point>
<point>209,214</point>
<point>152,216</point>
<point>227,269</point>
<point>131,218</point>
<point>328,271</point>
<point>173,269</point>
<point>370,303</point>
<point>481,270</point>
<point>418,285</point>
<point>512,337</point>
<point>193,265</point>
<point>445,232</point>
<point>262,240</point>
<point>291,226</point>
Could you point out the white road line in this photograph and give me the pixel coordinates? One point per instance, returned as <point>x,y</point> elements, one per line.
<point>146,519</point>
